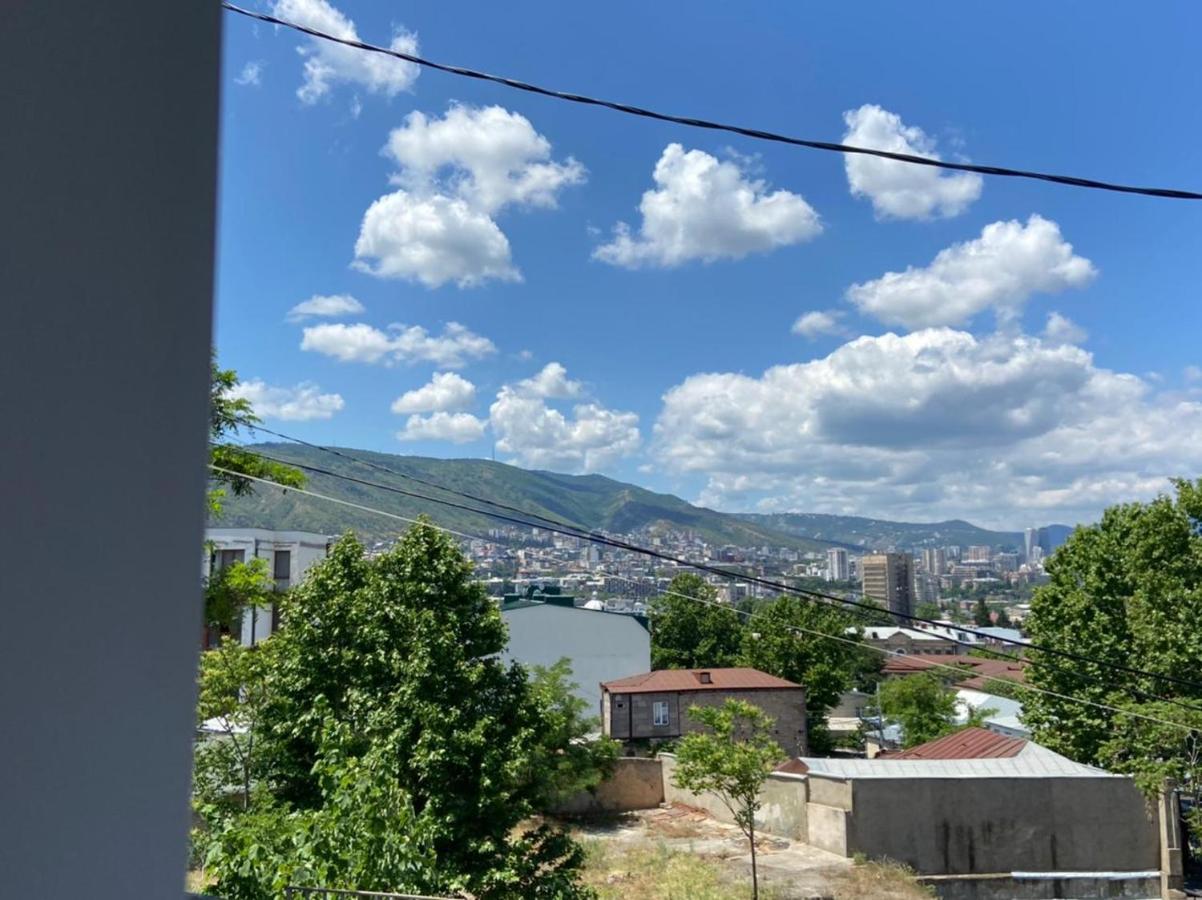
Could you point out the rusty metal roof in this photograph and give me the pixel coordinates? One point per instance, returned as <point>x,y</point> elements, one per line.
<point>968,743</point>
<point>982,670</point>
<point>673,680</point>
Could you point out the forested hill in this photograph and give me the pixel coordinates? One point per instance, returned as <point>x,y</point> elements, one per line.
<point>588,501</point>
<point>855,531</point>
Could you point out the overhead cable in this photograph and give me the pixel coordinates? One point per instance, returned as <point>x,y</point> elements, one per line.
<point>755,133</point>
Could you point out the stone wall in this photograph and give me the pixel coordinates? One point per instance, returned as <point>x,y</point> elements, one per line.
<point>634,784</point>
<point>783,798</point>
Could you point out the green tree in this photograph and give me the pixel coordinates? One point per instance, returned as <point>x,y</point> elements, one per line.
<point>232,695</point>
<point>690,630</point>
<point>731,759</point>
<point>924,707</point>
<point>563,764</point>
<point>1003,619</point>
<point>1126,591</point>
<point>227,414</point>
<point>788,638</point>
<point>398,657</point>
<point>364,835</point>
<point>980,614</point>
<point>232,589</point>
<point>928,610</point>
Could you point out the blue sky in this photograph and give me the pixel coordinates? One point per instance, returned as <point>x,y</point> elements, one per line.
<point>930,378</point>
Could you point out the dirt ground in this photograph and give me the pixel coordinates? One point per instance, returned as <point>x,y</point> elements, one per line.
<point>678,851</point>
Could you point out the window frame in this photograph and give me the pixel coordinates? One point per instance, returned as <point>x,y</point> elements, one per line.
<point>656,707</point>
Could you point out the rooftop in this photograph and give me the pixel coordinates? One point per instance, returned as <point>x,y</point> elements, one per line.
<point>983,670</point>
<point>969,753</point>
<point>969,743</point>
<point>741,679</point>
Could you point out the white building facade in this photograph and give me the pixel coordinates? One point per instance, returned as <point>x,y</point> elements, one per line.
<point>288,554</point>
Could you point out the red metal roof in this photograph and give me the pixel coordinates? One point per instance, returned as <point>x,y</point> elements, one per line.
<point>968,743</point>
<point>983,670</point>
<point>691,680</point>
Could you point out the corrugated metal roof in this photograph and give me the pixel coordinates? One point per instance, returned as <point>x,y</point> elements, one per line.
<point>983,670</point>
<point>743,679</point>
<point>1033,761</point>
<point>968,743</point>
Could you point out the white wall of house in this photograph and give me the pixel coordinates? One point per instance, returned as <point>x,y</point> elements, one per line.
<point>304,548</point>
<point>602,646</point>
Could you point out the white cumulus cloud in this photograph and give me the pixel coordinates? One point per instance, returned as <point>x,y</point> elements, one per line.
<point>550,382</point>
<point>818,322</point>
<point>901,190</point>
<point>487,156</point>
<point>327,306</point>
<point>456,173</point>
<point>931,425</point>
<point>446,391</point>
<point>1001,269</point>
<point>364,343</point>
<point>1061,329</point>
<point>251,74</point>
<point>458,428</point>
<point>433,240</point>
<point>299,403</point>
<point>707,209</point>
<point>328,64</point>
<point>591,438</point>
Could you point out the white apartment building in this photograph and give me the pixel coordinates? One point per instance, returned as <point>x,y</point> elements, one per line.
<point>289,554</point>
<point>837,568</point>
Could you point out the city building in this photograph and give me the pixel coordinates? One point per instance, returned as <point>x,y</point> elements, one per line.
<point>934,560</point>
<point>654,706</point>
<point>978,553</point>
<point>1030,542</point>
<point>599,645</point>
<point>837,568</point>
<point>288,554</point>
<point>888,579</point>
<point>899,641</point>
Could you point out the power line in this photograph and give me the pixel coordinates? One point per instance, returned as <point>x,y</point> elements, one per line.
<point>581,534</point>
<point>758,134</point>
<point>747,613</point>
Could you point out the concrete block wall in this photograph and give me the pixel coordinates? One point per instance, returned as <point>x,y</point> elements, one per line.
<point>636,783</point>
<point>783,811</point>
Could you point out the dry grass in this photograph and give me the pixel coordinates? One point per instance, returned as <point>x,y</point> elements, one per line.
<point>885,880</point>
<point>659,873</point>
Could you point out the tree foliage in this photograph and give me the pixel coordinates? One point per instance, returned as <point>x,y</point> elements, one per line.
<point>786,639</point>
<point>1126,591</point>
<point>924,706</point>
<point>730,759</point>
<point>227,414</point>
<point>231,589</point>
<point>688,631</point>
<point>391,666</point>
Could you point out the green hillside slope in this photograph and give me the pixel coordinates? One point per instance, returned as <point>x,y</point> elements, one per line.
<point>588,501</point>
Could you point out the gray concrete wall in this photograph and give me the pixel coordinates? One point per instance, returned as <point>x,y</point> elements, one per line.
<point>983,825</point>
<point>601,646</point>
<point>636,783</point>
<point>783,798</point>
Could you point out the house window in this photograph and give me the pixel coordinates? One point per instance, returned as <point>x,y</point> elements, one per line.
<point>229,557</point>
<point>659,712</point>
<point>282,569</point>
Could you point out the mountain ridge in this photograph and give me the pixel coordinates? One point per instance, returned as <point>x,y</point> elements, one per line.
<point>594,502</point>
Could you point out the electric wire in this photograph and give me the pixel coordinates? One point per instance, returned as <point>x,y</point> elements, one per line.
<point>755,133</point>
<point>750,614</point>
